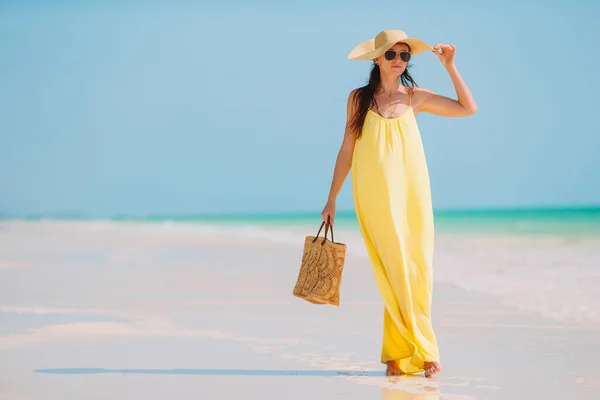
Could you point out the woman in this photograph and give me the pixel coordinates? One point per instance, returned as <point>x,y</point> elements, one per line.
<point>382,145</point>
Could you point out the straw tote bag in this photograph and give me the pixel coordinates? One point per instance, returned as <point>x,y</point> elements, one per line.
<point>321,269</point>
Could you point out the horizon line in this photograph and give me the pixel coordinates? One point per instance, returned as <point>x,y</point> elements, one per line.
<point>297,213</point>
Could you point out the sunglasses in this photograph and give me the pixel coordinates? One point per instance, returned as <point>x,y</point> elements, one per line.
<point>391,54</point>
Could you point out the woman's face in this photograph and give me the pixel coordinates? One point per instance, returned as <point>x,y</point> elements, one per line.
<point>395,65</point>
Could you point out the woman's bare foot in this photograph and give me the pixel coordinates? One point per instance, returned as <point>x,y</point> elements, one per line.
<point>431,368</point>
<point>393,369</point>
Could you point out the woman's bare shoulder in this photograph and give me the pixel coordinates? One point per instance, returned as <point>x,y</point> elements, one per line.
<point>353,93</point>
<point>419,91</point>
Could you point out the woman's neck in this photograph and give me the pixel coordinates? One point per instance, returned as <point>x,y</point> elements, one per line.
<point>389,85</point>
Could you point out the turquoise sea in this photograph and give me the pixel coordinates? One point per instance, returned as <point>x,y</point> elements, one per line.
<point>526,221</point>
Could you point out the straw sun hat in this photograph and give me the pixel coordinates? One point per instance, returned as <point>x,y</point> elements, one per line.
<point>373,48</point>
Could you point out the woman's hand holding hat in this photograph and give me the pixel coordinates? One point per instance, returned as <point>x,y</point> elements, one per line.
<point>445,53</point>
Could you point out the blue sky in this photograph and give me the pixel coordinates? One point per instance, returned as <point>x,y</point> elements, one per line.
<point>199,107</point>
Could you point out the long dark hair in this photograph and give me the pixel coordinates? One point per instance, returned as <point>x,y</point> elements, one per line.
<point>364,97</point>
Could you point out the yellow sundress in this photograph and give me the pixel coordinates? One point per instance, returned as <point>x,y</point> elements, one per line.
<point>392,199</point>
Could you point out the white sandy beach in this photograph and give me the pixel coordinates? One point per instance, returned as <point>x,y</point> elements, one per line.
<point>98,310</point>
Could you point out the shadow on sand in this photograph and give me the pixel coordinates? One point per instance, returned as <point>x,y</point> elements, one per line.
<point>222,372</point>
<point>409,387</point>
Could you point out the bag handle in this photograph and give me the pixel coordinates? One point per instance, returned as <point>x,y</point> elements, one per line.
<point>328,226</point>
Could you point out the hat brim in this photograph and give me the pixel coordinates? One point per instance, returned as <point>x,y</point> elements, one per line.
<point>367,51</point>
